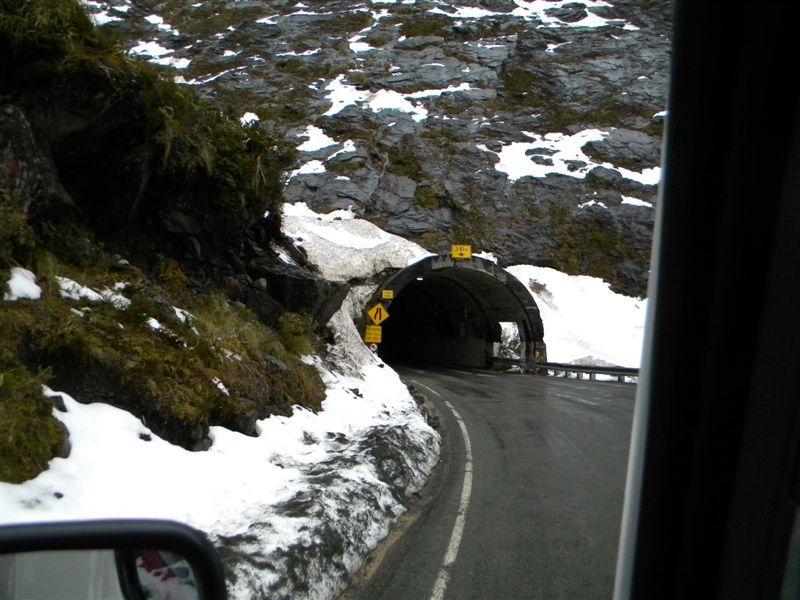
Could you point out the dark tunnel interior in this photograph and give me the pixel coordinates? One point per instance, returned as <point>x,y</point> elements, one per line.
<point>451,313</point>
<point>435,321</point>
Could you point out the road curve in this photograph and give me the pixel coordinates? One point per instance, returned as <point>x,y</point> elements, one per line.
<point>545,461</point>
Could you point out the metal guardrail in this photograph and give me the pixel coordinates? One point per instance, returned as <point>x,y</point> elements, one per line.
<point>564,370</point>
<point>621,373</point>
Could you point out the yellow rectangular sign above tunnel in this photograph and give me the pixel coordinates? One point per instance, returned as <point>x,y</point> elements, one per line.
<point>461,251</point>
<point>387,294</point>
<point>378,313</point>
<point>373,334</point>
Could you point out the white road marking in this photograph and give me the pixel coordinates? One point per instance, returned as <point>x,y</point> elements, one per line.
<point>430,389</point>
<point>458,529</point>
<point>579,400</point>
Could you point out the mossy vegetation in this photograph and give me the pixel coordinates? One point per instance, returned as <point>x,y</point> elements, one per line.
<point>204,20</point>
<point>44,26</point>
<point>140,147</point>
<point>434,241</point>
<point>525,88</point>
<point>379,38</point>
<point>17,238</point>
<point>520,83</point>
<point>31,436</point>
<point>144,141</point>
<point>472,227</point>
<point>402,160</point>
<point>180,370</point>
<point>590,247</point>
<point>425,25</point>
<point>430,195</point>
<point>345,23</point>
<point>207,162</point>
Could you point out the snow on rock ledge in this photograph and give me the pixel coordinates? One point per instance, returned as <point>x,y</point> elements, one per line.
<point>345,247</point>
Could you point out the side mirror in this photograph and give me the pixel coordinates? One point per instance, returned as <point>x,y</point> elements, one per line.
<point>113,559</point>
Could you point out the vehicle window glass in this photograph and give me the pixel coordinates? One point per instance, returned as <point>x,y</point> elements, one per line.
<point>791,578</point>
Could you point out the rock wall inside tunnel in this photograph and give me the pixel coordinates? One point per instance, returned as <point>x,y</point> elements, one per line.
<point>448,311</point>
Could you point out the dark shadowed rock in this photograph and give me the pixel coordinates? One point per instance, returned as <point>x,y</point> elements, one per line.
<point>569,13</point>
<point>27,171</point>
<point>294,289</point>
<point>264,306</point>
<point>627,147</point>
<point>181,223</point>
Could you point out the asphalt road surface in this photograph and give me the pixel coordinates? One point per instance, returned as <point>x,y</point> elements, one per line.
<point>527,500</point>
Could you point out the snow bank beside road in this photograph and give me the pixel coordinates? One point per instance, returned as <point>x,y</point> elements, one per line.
<point>305,500</point>
<point>584,321</point>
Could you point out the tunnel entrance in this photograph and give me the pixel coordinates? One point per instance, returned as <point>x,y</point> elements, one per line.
<point>449,312</point>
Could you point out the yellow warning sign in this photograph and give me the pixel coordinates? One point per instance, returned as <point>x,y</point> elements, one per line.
<point>387,294</point>
<point>461,251</point>
<point>378,313</point>
<point>373,334</point>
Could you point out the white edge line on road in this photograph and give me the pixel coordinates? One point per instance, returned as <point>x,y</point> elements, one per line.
<point>430,389</point>
<point>458,528</point>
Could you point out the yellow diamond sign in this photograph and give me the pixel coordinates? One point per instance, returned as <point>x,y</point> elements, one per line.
<point>378,313</point>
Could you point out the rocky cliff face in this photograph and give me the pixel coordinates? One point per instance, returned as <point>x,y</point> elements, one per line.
<point>446,121</point>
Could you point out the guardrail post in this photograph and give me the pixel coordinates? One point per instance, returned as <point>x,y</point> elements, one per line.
<point>565,370</point>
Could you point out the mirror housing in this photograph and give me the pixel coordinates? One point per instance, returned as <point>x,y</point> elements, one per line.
<point>124,540</point>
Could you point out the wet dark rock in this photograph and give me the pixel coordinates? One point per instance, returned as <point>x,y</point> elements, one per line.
<point>604,177</point>
<point>178,222</point>
<point>274,365</point>
<point>66,444</point>
<point>266,308</point>
<point>300,291</point>
<point>521,77</point>
<point>626,147</point>
<point>27,171</point>
<point>58,402</point>
<point>419,42</point>
<point>569,13</point>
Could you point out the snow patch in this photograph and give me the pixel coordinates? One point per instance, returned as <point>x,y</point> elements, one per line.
<point>22,286</point>
<point>584,320</point>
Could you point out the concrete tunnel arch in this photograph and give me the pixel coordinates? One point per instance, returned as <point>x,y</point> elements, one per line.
<point>448,311</point>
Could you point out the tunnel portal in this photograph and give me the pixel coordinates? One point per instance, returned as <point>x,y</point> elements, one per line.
<point>449,311</point>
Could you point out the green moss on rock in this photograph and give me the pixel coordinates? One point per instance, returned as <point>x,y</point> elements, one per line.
<point>590,247</point>
<point>180,374</point>
<point>29,435</point>
<point>426,25</point>
<point>134,148</point>
<point>17,238</point>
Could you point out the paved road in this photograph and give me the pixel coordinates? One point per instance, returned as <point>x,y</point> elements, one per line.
<point>544,509</point>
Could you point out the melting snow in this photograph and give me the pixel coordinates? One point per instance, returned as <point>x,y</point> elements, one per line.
<point>22,286</point>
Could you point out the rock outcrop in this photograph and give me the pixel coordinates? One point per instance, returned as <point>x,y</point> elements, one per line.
<point>418,101</point>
